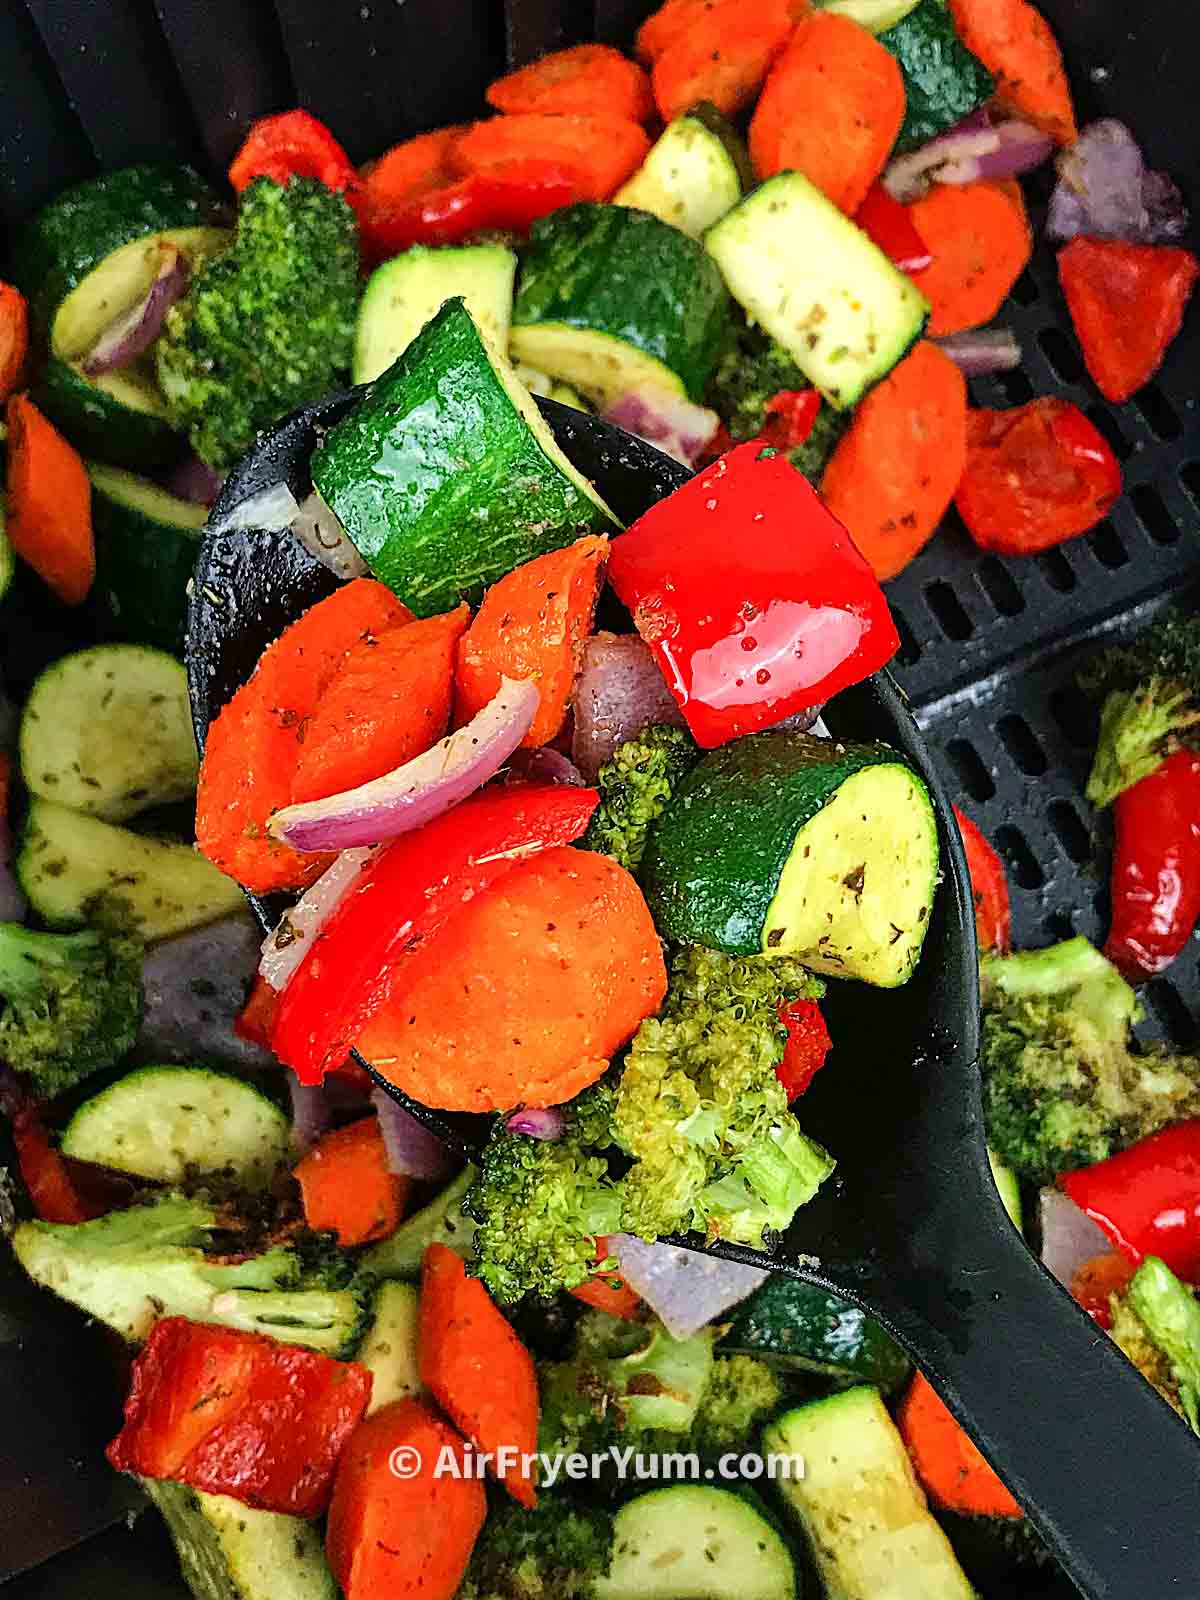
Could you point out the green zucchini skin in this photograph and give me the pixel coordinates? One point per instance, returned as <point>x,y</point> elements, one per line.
<point>714,859</point>
<point>943,81</point>
<point>801,1327</point>
<point>610,270</point>
<point>99,425</point>
<point>8,557</point>
<point>446,477</point>
<point>144,562</point>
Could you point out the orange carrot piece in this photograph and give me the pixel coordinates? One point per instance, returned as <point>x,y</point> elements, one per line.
<point>721,53</point>
<point>400,1529</point>
<point>534,624</point>
<point>980,240</point>
<point>49,503</point>
<point>388,701</point>
<point>348,1188</point>
<point>477,1369</point>
<point>832,107</point>
<point>950,1467</point>
<point>587,79</point>
<point>608,1291</point>
<point>895,470</point>
<point>14,337</point>
<point>1017,46</point>
<point>596,153</point>
<point>253,746</point>
<point>526,992</point>
<point>408,170</point>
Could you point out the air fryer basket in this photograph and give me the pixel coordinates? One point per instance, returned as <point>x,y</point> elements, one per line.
<point>989,646</point>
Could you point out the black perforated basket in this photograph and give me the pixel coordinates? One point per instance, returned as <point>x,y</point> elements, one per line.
<point>990,645</point>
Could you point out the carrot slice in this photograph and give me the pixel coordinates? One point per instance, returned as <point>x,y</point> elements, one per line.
<point>401,1524</point>
<point>596,153</point>
<point>14,337</point>
<point>477,1369</point>
<point>895,471</point>
<point>980,241</point>
<point>1017,46</point>
<point>608,1291</point>
<point>534,624</point>
<point>587,79</point>
<point>253,746</point>
<point>831,109</point>
<point>49,503</point>
<point>388,701</point>
<point>949,1465</point>
<point>348,1188</point>
<point>526,992</point>
<point>720,52</point>
<point>407,170</point>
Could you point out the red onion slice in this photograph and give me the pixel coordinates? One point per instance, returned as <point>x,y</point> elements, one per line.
<point>311,1113</point>
<point>323,536</point>
<point>413,1152</point>
<point>982,351</point>
<point>1105,190</point>
<point>549,1123</point>
<point>1069,1236</point>
<point>289,942</point>
<point>132,334</point>
<point>967,154</point>
<point>620,692</point>
<point>667,421</point>
<point>544,765</point>
<point>686,1289</point>
<point>419,790</point>
<point>195,481</point>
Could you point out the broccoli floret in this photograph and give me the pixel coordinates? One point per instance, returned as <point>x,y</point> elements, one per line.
<point>1062,1088</point>
<point>1151,705</point>
<point>636,787</point>
<point>1168,1312</point>
<point>701,1109</point>
<point>539,1204</point>
<point>72,1002</point>
<point>130,1267</point>
<point>1130,1334</point>
<point>266,326</point>
<point>754,369</point>
<point>742,1393</point>
<point>555,1552</point>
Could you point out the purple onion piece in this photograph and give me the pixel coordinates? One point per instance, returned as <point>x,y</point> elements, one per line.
<point>799,721</point>
<point>421,789</point>
<point>413,1152</point>
<point>195,481</point>
<point>620,692</point>
<point>1105,190</point>
<point>982,351</point>
<point>1069,1236</point>
<point>1021,148</point>
<point>544,765</point>
<point>323,536</point>
<point>289,942</point>
<point>971,151</point>
<point>132,334</point>
<point>670,423</point>
<point>311,1113</point>
<point>548,1123</point>
<point>686,1289</point>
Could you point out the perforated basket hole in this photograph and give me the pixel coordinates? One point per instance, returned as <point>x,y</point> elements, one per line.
<point>1158,412</point>
<point>973,775</point>
<point>1153,514</point>
<point>1015,387</point>
<point>1020,742</point>
<point>909,652</point>
<point>1105,544</point>
<point>1000,587</point>
<point>1059,925</point>
<point>1189,477</point>
<point>1057,571</point>
<point>1025,291</point>
<point>947,612</point>
<point>1076,715</point>
<point>1022,862</point>
<point>1070,831</point>
<point>1105,425</point>
<point>1172,1015</point>
<point>1062,355</point>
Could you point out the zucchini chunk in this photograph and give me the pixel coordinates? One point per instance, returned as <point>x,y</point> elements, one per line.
<point>800,269</point>
<point>548,388</point>
<point>871,1532</point>
<point>87,258</point>
<point>787,844</point>
<point>442,1221</point>
<point>799,1327</point>
<point>943,81</point>
<point>446,477</point>
<point>108,731</point>
<point>403,294</point>
<point>228,1550</point>
<point>694,174</point>
<point>66,860</point>
<point>695,1542</point>
<point>873,15</point>
<point>147,541</point>
<point>8,556</point>
<point>611,300</point>
<point>177,1124</point>
<point>389,1347</point>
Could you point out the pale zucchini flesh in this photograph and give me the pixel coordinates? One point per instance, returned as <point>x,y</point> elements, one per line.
<point>600,367</point>
<point>695,1542</point>
<point>8,558</point>
<point>108,731</point>
<point>120,281</point>
<point>403,294</point>
<point>802,270</point>
<point>389,1347</point>
<point>228,1550</point>
<point>143,494</point>
<point>440,1222</point>
<point>876,16</point>
<point>689,179</point>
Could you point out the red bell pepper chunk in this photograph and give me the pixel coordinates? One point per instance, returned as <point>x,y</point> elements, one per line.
<point>751,595</point>
<point>256,1019</point>
<point>1156,868</point>
<point>1096,1281</point>
<point>1147,1198</point>
<point>44,1172</point>
<point>790,416</point>
<point>402,899</point>
<point>239,1414</point>
<point>889,225</point>
<point>509,199</point>
<point>608,1291</point>
<point>808,1043</point>
<point>989,887</point>
<point>293,144</point>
